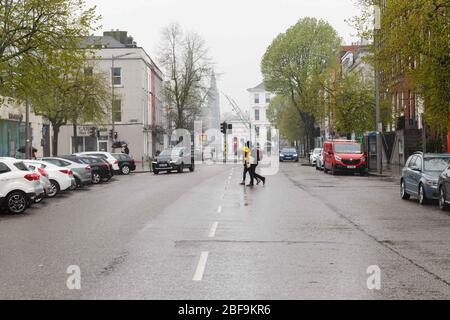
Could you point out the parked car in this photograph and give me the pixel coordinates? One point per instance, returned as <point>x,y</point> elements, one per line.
<point>288,154</point>
<point>100,169</point>
<point>174,159</point>
<point>319,161</point>
<point>45,182</point>
<point>81,171</point>
<point>18,185</point>
<point>314,155</point>
<point>126,163</point>
<point>421,174</point>
<point>104,155</point>
<point>61,178</point>
<point>444,189</point>
<point>344,156</point>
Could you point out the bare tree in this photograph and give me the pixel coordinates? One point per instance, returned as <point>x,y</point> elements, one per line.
<point>186,61</point>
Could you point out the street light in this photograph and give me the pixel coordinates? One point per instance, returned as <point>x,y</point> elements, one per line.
<point>113,58</point>
<point>379,124</point>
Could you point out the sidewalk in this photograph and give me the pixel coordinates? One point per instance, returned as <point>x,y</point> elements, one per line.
<point>390,172</point>
<point>143,167</point>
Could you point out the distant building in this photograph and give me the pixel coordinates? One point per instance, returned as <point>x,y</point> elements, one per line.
<point>259,105</point>
<point>211,112</point>
<point>139,113</point>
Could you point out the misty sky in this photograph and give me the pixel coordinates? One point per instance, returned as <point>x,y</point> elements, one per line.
<point>236,31</point>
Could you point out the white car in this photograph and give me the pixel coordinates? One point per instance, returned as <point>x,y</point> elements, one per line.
<point>314,155</point>
<point>60,178</point>
<point>104,155</point>
<point>45,182</point>
<point>18,185</point>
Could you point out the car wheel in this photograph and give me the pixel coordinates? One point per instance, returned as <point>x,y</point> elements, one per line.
<point>442,203</point>
<point>180,168</point>
<point>125,170</point>
<point>16,202</point>
<point>403,193</point>
<point>192,168</point>
<point>96,179</point>
<point>422,197</point>
<point>325,170</point>
<point>54,189</point>
<point>333,171</point>
<point>155,172</point>
<point>38,200</point>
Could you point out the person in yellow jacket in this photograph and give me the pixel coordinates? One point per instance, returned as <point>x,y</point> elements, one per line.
<point>247,166</point>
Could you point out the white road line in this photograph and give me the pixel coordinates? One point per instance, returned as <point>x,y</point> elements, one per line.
<point>212,232</point>
<point>219,210</point>
<point>198,276</point>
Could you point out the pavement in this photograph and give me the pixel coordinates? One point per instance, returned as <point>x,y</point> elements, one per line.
<point>305,235</point>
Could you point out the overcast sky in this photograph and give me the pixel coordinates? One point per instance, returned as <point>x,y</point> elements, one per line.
<point>236,31</point>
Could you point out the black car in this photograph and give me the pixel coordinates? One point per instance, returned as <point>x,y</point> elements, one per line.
<point>101,169</point>
<point>178,159</point>
<point>126,163</point>
<point>444,189</point>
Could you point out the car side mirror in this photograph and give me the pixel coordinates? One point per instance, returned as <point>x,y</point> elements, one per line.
<point>416,169</point>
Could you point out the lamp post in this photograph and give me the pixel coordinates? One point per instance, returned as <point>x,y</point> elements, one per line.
<point>113,58</point>
<point>379,124</point>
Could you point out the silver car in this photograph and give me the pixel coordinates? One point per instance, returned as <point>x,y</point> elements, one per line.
<point>81,172</point>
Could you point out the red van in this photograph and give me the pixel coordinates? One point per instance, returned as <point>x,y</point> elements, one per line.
<point>344,156</point>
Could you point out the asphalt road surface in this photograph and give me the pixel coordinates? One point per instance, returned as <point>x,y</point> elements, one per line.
<point>305,235</point>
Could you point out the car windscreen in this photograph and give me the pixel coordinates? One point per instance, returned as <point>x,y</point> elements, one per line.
<point>21,166</point>
<point>288,151</point>
<point>317,151</point>
<point>347,148</point>
<point>436,164</point>
<point>170,152</point>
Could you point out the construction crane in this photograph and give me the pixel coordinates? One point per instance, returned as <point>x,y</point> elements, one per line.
<point>244,118</point>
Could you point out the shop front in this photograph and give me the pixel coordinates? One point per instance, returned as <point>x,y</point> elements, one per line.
<point>12,137</point>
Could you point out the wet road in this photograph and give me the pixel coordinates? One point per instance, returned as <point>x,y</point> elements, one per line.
<point>305,235</point>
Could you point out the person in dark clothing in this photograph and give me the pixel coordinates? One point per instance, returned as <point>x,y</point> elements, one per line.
<point>256,156</point>
<point>126,150</point>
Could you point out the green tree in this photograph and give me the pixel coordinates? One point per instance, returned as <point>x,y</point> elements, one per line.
<point>414,42</point>
<point>354,105</point>
<point>31,27</point>
<point>60,89</point>
<point>297,64</point>
<point>283,115</point>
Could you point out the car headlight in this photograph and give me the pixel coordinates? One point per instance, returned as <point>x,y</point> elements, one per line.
<point>295,155</point>
<point>281,155</point>
<point>338,158</point>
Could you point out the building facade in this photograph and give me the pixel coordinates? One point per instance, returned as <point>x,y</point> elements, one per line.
<point>12,131</point>
<point>138,113</point>
<point>259,101</point>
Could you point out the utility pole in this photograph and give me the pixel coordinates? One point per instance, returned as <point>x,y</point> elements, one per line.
<point>379,124</point>
<point>27,131</point>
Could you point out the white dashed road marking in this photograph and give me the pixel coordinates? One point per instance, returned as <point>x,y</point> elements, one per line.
<point>198,276</point>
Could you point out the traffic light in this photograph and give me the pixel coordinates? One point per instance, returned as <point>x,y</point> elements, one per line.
<point>116,135</point>
<point>230,127</point>
<point>223,128</point>
<point>111,134</point>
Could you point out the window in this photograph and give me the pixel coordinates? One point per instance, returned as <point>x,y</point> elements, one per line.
<point>117,110</point>
<point>117,76</point>
<point>418,163</point>
<point>267,97</point>
<point>256,97</point>
<point>21,166</point>
<point>257,114</point>
<point>4,168</point>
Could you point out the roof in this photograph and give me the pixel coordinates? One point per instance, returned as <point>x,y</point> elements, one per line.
<point>101,41</point>
<point>258,88</point>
